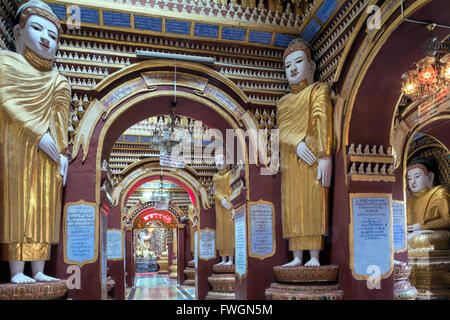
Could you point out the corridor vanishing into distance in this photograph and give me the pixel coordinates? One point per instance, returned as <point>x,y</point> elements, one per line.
<point>154,286</point>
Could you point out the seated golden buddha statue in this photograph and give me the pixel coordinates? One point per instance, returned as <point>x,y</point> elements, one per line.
<point>428,215</point>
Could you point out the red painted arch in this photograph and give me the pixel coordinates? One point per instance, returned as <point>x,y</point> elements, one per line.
<point>151,214</point>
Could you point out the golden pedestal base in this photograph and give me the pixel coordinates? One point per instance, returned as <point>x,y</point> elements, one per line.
<point>190,276</point>
<point>220,296</point>
<point>173,271</point>
<point>163,265</point>
<point>222,282</point>
<point>402,287</point>
<point>305,283</point>
<point>279,291</point>
<point>33,291</point>
<point>224,268</point>
<point>429,272</point>
<point>306,274</point>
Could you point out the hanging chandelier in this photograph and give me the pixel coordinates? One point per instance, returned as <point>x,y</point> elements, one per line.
<point>164,136</point>
<point>432,74</point>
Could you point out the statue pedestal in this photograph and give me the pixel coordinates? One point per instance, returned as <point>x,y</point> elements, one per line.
<point>163,264</point>
<point>173,270</point>
<point>305,283</point>
<point>222,282</point>
<point>429,273</point>
<point>110,285</point>
<point>190,274</point>
<point>402,287</point>
<point>34,291</point>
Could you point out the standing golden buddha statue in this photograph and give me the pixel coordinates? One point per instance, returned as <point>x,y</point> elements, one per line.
<point>224,211</point>
<point>305,124</point>
<point>34,117</point>
<point>427,208</point>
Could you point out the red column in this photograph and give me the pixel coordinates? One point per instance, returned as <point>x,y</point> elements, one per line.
<point>116,267</point>
<point>180,253</point>
<point>204,267</point>
<point>129,260</point>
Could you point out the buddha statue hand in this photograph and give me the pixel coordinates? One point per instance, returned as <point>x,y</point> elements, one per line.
<point>63,166</point>
<point>304,153</point>
<point>419,232</point>
<point>233,214</point>
<point>49,147</point>
<point>226,204</point>
<point>414,227</point>
<point>324,170</point>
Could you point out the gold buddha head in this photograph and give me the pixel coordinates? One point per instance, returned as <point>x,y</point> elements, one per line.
<point>298,63</point>
<point>37,29</point>
<point>419,175</point>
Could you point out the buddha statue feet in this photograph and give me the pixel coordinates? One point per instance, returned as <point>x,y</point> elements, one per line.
<point>44,278</point>
<point>20,278</point>
<point>297,262</point>
<point>314,262</point>
<point>219,264</point>
<point>228,263</point>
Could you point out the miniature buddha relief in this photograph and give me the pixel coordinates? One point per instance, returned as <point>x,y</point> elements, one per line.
<point>305,122</point>
<point>34,115</point>
<point>428,214</point>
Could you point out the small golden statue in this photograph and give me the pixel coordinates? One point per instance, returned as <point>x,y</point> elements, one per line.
<point>305,124</point>
<point>224,210</point>
<point>34,118</point>
<point>428,214</point>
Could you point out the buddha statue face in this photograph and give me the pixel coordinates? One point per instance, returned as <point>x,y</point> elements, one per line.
<point>298,68</point>
<point>220,161</point>
<point>39,35</point>
<point>418,179</point>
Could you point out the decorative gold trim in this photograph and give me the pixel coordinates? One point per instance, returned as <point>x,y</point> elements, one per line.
<point>123,242</point>
<point>167,78</point>
<point>141,163</point>
<point>372,159</point>
<point>371,178</point>
<point>159,63</point>
<point>351,236</point>
<point>138,85</point>
<point>249,237</point>
<point>85,129</point>
<point>96,245</point>
<point>198,245</point>
<point>241,277</point>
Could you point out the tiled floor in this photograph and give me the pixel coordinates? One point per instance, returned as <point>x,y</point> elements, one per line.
<point>153,286</point>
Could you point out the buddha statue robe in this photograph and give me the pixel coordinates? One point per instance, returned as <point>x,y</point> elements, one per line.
<point>34,99</point>
<point>224,221</point>
<point>305,114</point>
<point>430,209</point>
